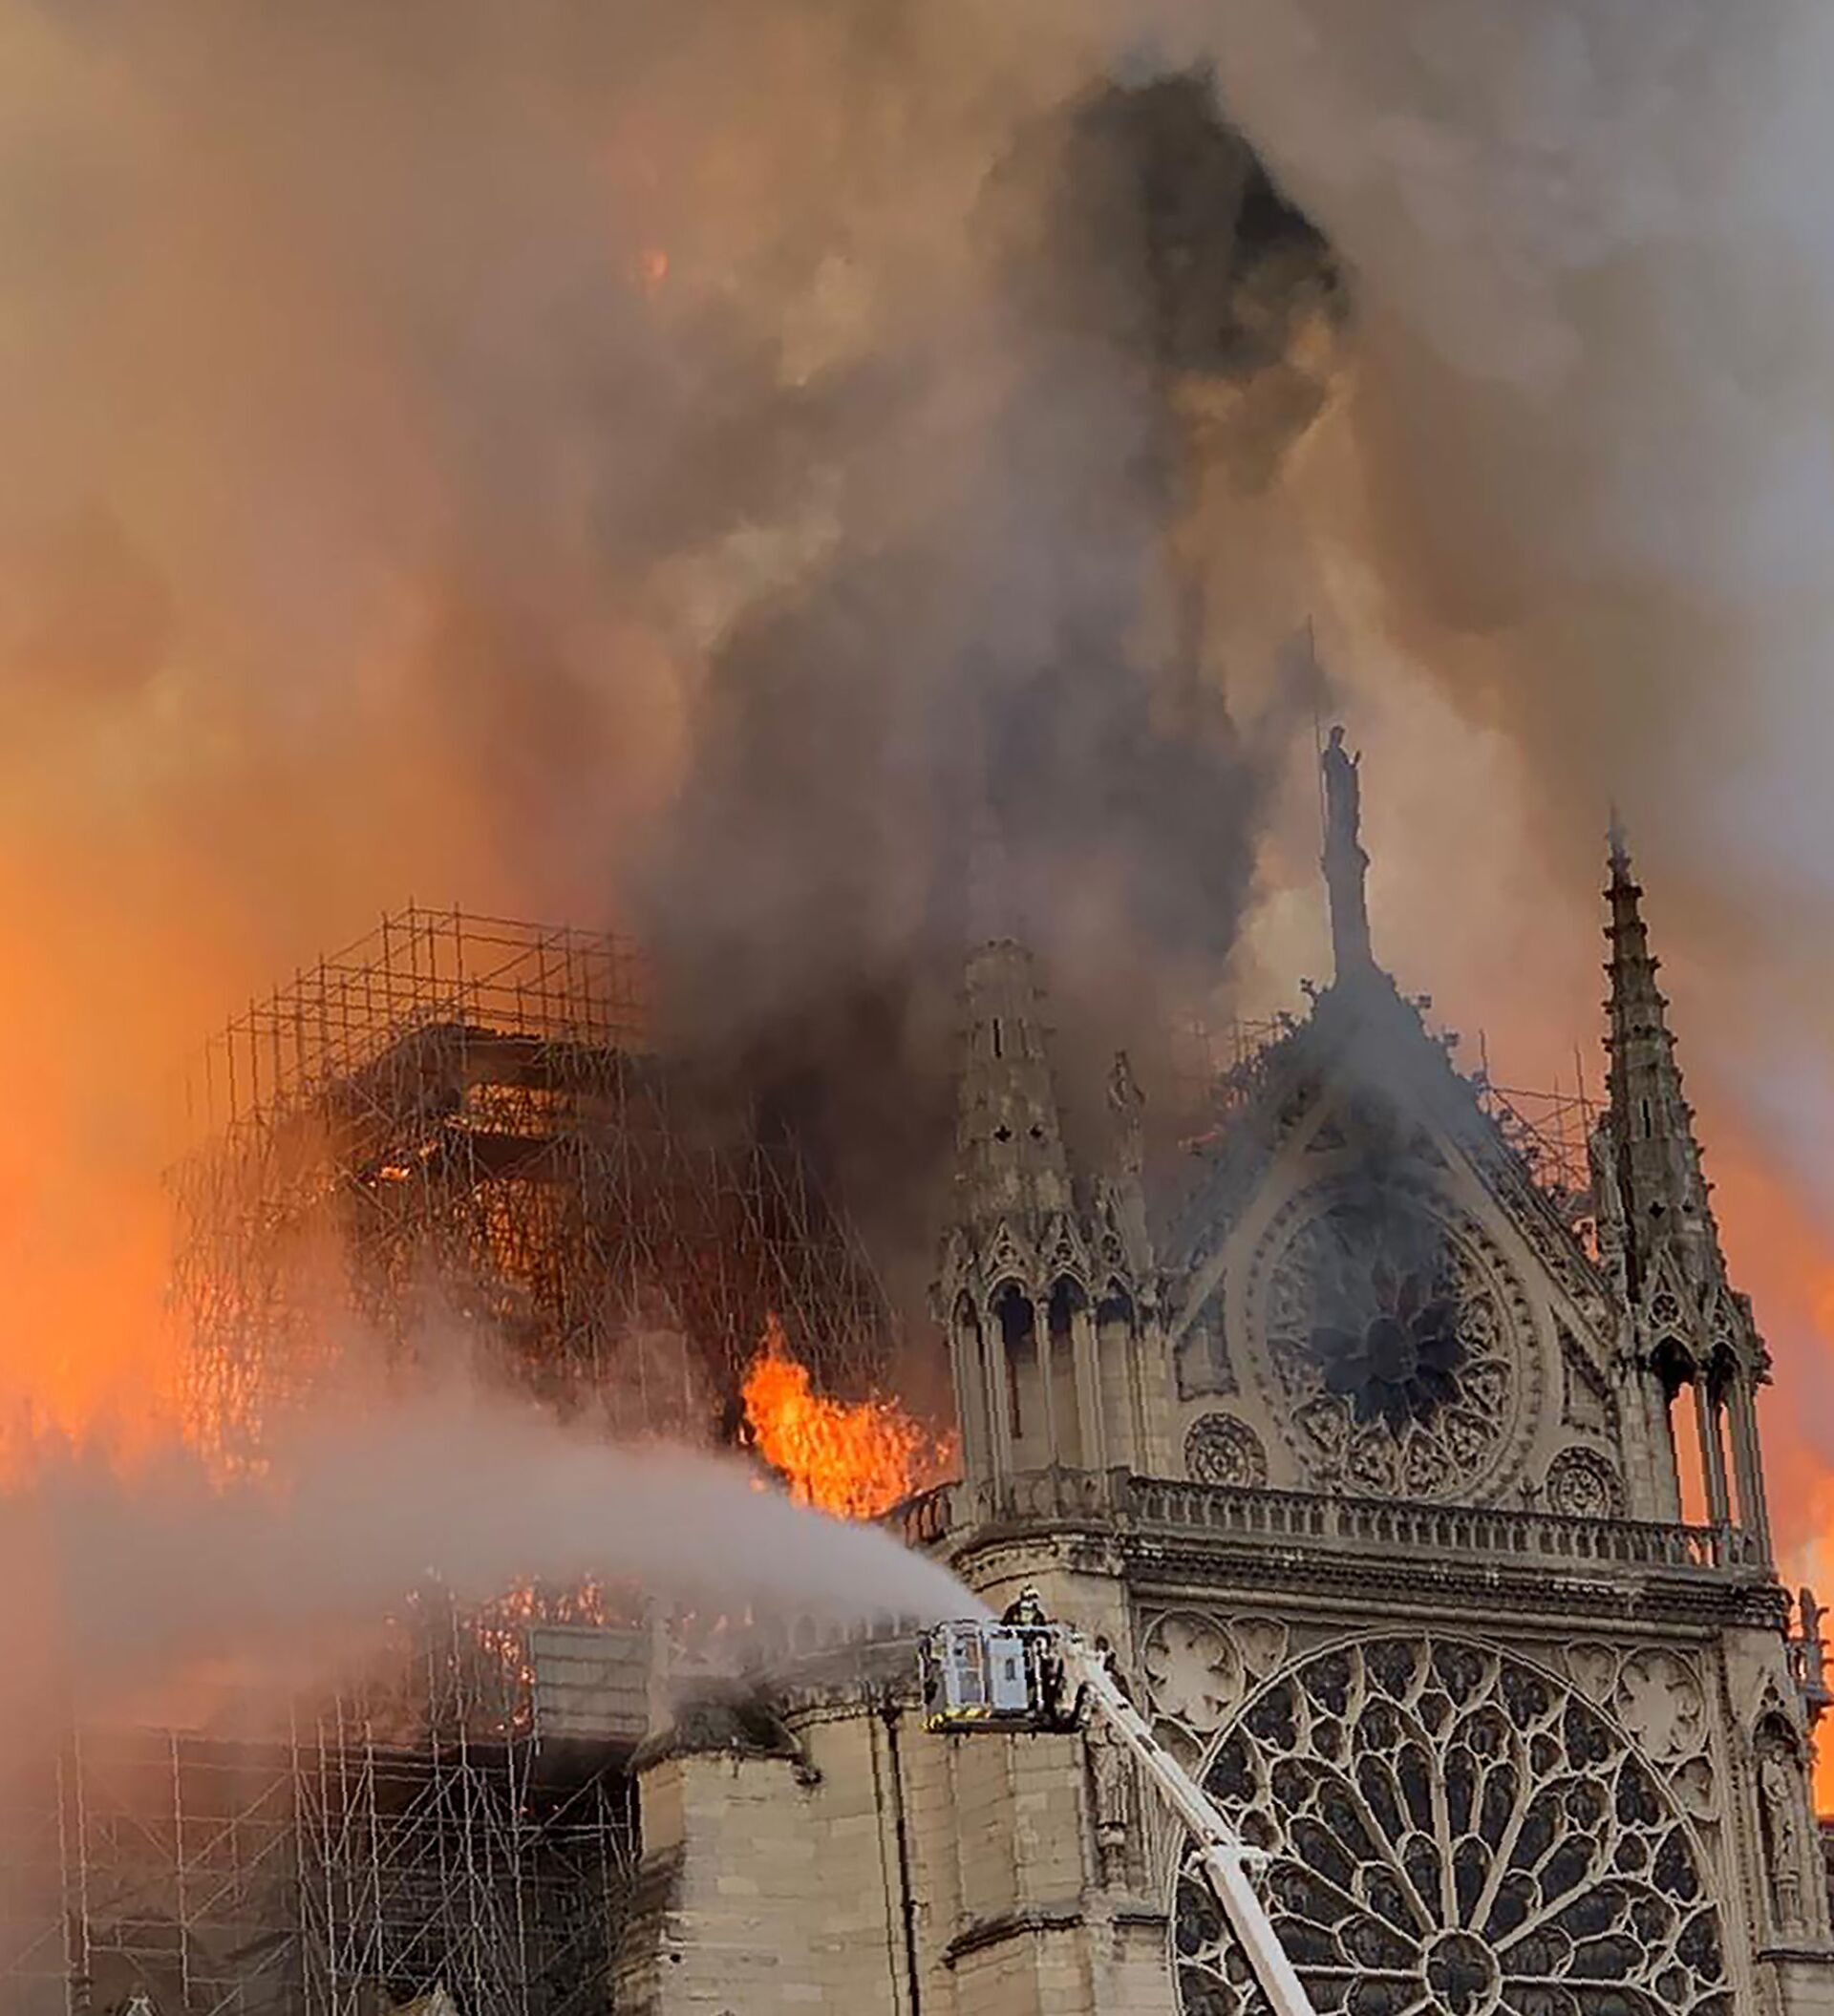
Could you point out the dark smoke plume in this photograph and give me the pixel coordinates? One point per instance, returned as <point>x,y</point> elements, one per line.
<point>673,468</point>
<point>1004,699</point>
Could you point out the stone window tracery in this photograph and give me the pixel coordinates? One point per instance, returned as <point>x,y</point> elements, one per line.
<point>1452,1832</point>
<point>1221,1450</point>
<point>1398,1349</point>
<point>1584,1484</point>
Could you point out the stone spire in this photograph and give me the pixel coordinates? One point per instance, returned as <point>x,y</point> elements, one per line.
<point>1664,1194</point>
<point>1345,864</point>
<point>1691,1335</point>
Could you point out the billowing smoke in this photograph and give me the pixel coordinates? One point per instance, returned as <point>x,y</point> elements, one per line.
<point>1576,483</point>
<point>1591,286</point>
<point>721,473</point>
<point>140,1591</point>
<point>988,698</point>
<point>728,469</point>
<point>707,473</point>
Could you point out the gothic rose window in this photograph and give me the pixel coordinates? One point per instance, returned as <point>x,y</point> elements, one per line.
<point>1452,1832</point>
<point>1385,1318</point>
<point>1391,1343</point>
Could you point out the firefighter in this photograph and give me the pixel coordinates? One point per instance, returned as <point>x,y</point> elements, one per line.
<point>1026,1608</point>
<point>1026,1613</point>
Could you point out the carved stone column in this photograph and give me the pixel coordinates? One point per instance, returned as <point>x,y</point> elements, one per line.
<point>968,1363</point>
<point>997,1395</point>
<point>1095,1437</point>
<point>1748,1470</point>
<point>1713,1453</point>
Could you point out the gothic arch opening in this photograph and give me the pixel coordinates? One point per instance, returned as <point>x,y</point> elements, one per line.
<point>1067,1304</point>
<point>1018,1345</point>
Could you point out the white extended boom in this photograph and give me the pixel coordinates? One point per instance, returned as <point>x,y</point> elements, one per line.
<point>980,1676</point>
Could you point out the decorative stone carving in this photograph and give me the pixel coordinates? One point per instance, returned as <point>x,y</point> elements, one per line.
<point>1808,1657</point>
<point>1658,1699</point>
<point>1588,1404</point>
<point>1114,1791</point>
<point>1327,1138</point>
<point>1451,1830</point>
<point>1221,1450</point>
<point>1193,1672</point>
<point>1127,1103</point>
<point>1695,1789</point>
<point>1593,1670</point>
<point>1111,1785</point>
<point>1262,1642</point>
<point>1398,1341</point>
<point>1783,1815</point>
<point>1584,1485</point>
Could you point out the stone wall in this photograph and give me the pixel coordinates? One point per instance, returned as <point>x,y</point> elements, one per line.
<point>854,1861</point>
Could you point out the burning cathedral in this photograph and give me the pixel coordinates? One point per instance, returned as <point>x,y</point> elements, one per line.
<point>1415,1503</point>
<point>1375,1474</point>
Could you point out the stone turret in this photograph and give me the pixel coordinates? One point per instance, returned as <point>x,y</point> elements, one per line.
<point>1011,1165</point>
<point>1045,1285</point>
<point>1692,1334</point>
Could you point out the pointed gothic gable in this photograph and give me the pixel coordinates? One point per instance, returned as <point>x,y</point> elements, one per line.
<point>1111,1248</point>
<point>1121,1243</point>
<point>1671,1307</point>
<point>1061,1252</point>
<point>952,1270</point>
<point>1399,1308</point>
<point>1007,1258</point>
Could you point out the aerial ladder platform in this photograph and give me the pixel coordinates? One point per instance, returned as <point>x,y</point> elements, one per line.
<point>982,1677</point>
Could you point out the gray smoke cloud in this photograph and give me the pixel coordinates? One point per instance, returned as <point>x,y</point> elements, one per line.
<point>1579,479</point>
<point>687,467</point>
<point>992,701</point>
<point>136,1586</point>
<point>1583,419</point>
<point>672,471</point>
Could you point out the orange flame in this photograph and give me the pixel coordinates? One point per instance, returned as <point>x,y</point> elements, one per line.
<point>853,1461</point>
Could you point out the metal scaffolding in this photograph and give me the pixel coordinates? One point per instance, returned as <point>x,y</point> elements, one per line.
<point>463,1121</point>
<point>423,1830</point>
<point>1550,1131</point>
<point>459,1123</point>
<point>1221,1071</point>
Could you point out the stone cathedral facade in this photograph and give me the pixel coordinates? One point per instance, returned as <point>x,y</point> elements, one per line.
<point>1432,1533</point>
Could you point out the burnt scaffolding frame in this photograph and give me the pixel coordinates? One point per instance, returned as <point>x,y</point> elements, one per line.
<point>463,1847</point>
<point>150,1858</point>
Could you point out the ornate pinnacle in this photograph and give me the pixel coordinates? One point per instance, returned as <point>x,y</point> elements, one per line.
<point>1657,1161</point>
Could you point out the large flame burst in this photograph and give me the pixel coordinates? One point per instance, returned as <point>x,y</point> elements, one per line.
<point>855,1461</point>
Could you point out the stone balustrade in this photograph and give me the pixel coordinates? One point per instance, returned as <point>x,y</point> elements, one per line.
<point>1385,1526</point>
